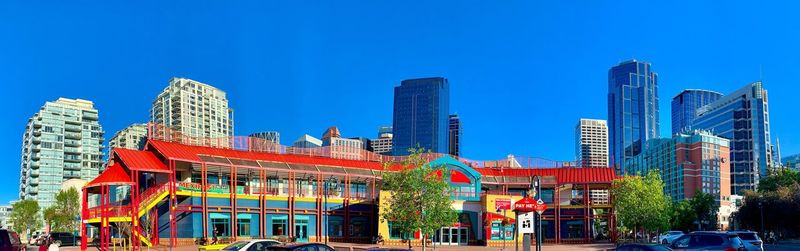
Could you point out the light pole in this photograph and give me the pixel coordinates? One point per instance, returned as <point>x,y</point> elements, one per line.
<point>538,216</point>
<point>327,216</point>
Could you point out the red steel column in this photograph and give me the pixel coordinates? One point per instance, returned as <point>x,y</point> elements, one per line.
<point>204,196</point>
<point>233,191</point>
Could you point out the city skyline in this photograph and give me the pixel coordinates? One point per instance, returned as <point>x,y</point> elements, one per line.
<point>499,84</point>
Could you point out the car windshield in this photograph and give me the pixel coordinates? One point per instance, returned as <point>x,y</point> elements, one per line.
<point>675,232</point>
<point>276,248</point>
<point>748,236</point>
<point>235,246</point>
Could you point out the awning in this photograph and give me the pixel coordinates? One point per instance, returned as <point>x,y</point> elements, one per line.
<point>144,161</point>
<point>114,175</point>
<point>497,217</point>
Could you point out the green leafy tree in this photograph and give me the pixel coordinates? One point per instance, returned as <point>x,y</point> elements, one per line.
<point>779,178</point>
<point>683,216</point>
<point>705,208</point>
<point>419,197</point>
<point>25,216</point>
<point>640,202</point>
<point>69,208</point>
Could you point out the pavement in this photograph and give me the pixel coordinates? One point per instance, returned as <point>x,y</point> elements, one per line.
<point>546,247</point>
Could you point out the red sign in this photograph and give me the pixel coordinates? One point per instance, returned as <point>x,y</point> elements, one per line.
<point>540,207</point>
<point>526,204</point>
<point>502,204</point>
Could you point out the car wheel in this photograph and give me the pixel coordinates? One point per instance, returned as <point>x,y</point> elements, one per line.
<point>664,242</point>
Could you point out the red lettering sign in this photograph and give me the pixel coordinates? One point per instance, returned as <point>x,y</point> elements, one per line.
<point>502,204</point>
<point>526,204</point>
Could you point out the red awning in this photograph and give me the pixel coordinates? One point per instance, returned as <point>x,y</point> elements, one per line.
<point>497,217</point>
<point>114,175</point>
<point>140,160</point>
<point>562,175</point>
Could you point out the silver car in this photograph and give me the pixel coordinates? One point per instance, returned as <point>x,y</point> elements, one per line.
<point>751,240</point>
<point>668,237</point>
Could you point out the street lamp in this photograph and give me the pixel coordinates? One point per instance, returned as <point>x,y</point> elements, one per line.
<point>327,217</point>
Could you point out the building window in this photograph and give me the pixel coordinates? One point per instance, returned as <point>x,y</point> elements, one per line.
<point>279,226</point>
<point>335,226</point>
<point>396,234</point>
<point>221,226</point>
<point>243,227</point>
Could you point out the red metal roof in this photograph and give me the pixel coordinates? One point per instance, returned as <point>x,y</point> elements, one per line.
<point>189,153</point>
<point>113,175</point>
<point>562,175</point>
<point>141,160</point>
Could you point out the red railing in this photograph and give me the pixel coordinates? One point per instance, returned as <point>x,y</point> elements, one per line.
<point>115,211</point>
<point>151,194</point>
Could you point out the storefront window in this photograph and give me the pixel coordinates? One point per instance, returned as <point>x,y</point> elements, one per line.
<point>499,231</point>
<point>279,226</point>
<point>359,227</point>
<point>396,234</point>
<point>335,226</point>
<point>221,227</point>
<point>572,229</point>
<point>243,227</point>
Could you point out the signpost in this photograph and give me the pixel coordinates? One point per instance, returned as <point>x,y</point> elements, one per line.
<point>526,223</point>
<point>525,209</point>
<point>503,204</point>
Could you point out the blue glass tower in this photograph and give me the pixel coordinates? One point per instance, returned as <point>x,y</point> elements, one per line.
<point>686,103</point>
<point>743,118</point>
<point>421,110</point>
<point>632,110</point>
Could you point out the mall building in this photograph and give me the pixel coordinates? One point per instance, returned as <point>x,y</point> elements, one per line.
<point>181,192</point>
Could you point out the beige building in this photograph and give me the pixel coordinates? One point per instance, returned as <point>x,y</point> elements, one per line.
<point>132,137</point>
<point>591,143</point>
<point>197,110</point>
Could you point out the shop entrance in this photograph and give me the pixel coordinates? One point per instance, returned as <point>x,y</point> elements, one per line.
<point>451,236</point>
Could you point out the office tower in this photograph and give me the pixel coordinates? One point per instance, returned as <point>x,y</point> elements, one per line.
<point>743,118</point>
<point>454,135</point>
<point>132,137</point>
<point>382,144</point>
<point>197,110</point>
<point>777,156</point>
<point>421,111</point>
<point>307,141</point>
<point>685,105</point>
<point>342,148</point>
<point>268,141</point>
<point>62,141</point>
<point>5,217</point>
<point>366,144</point>
<point>591,143</point>
<point>632,110</point>
<point>688,163</point>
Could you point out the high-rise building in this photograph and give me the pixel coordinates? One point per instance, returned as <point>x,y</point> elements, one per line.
<point>132,137</point>
<point>307,141</point>
<point>366,143</point>
<point>743,118</point>
<point>688,163</point>
<point>383,144</point>
<point>5,217</point>
<point>270,141</point>
<point>342,148</point>
<point>421,111</point>
<point>591,143</point>
<point>62,141</point>
<point>632,110</point>
<point>685,105</point>
<point>454,135</point>
<point>197,110</point>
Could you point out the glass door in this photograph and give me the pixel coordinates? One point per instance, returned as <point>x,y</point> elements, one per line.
<point>301,229</point>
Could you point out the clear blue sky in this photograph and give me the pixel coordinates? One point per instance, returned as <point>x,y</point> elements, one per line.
<point>521,72</point>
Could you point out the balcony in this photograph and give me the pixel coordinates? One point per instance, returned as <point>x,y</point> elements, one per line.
<point>34,182</point>
<point>72,143</point>
<point>71,150</point>
<point>35,173</point>
<point>37,133</point>
<point>72,135</point>
<point>33,190</point>
<point>72,128</point>
<point>72,174</point>
<point>35,165</point>
<point>89,116</point>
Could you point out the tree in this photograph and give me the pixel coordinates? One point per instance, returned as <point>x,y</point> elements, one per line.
<point>419,197</point>
<point>683,216</point>
<point>779,178</point>
<point>640,202</point>
<point>705,208</point>
<point>25,216</point>
<point>68,204</point>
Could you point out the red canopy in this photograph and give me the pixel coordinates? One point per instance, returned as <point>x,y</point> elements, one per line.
<point>494,216</point>
<point>113,175</point>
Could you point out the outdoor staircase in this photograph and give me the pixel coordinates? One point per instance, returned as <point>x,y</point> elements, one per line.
<point>150,199</point>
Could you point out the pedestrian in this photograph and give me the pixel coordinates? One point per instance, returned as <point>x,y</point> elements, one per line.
<point>53,246</point>
<point>43,246</point>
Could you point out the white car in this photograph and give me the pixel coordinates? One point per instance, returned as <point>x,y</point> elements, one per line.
<point>668,237</point>
<point>251,245</point>
<point>751,240</point>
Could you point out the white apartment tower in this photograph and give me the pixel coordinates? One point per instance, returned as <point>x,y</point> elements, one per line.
<point>197,110</point>
<point>132,137</point>
<point>591,143</point>
<point>62,141</point>
<point>383,144</point>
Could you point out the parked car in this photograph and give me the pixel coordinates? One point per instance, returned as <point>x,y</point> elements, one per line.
<point>668,237</point>
<point>247,245</point>
<point>9,241</point>
<point>642,247</point>
<point>709,241</point>
<point>65,239</point>
<point>388,249</point>
<point>301,247</point>
<point>751,240</point>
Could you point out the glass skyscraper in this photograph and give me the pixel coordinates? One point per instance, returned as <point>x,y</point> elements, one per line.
<point>632,110</point>
<point>685,104</point>
<point>421,111</point>
<point>743,118</point>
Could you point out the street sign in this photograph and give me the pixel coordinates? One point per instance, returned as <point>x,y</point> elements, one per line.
<point>540,207</point>
<point>525,205</point>
<point>526,223</point>
<point>502,204</point>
